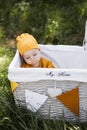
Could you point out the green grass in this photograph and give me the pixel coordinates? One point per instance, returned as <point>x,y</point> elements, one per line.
<point>17,118</point>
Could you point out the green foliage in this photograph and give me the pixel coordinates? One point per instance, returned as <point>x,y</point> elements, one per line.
<point>71,32</point>
<point>53,22</point>
<point>5,58</point>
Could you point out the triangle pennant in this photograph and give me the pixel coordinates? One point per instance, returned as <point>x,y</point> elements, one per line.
<point>14,85</point>
<point>71,100</point>
<point>34,100</point>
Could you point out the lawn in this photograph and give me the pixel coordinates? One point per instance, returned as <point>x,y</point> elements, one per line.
<point>15,118</point>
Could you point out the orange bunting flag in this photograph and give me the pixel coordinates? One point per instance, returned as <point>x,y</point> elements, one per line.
<point>71,100</point>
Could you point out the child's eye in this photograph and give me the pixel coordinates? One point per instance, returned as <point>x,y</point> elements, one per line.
<point>28,58</point>
<point>35,54</point>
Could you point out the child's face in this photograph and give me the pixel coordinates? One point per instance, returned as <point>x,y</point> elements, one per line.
<point>32,57</point>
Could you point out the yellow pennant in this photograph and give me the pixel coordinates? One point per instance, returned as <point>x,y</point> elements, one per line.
<point>14,85</point>
<point>71,100</point>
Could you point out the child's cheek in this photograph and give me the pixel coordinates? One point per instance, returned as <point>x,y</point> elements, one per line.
<point>28,62</point>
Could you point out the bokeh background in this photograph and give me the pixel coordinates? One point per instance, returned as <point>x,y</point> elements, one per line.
<point>50,21</point>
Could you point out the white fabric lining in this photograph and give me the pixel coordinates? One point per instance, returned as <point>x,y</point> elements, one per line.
<point>70,62</point>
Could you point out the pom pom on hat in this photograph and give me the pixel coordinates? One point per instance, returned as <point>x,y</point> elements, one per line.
<point>26,42</point>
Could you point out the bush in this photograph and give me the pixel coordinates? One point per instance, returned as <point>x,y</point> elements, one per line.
<point>51,22</point>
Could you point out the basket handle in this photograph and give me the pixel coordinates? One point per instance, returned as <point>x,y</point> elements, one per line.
<point>85,37</point>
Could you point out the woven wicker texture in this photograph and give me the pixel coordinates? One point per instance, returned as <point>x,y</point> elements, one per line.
<point>52,106</point>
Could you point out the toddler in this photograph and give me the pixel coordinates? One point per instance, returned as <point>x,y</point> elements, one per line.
<point>30,51</point>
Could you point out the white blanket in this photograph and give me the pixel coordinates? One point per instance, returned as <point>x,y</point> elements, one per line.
<point>70,62</point>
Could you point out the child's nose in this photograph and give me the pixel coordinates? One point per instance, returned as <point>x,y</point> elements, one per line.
<point>32,57</point>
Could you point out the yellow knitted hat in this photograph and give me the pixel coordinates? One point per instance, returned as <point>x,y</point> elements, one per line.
<point>26,42</point>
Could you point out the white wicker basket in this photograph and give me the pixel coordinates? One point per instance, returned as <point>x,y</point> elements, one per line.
<point>53,107</point>
<point>71,72</point>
